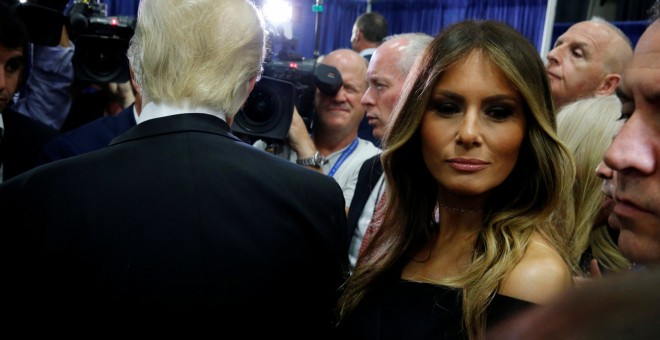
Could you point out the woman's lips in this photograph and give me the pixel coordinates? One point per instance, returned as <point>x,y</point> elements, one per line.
<point>469,165</point>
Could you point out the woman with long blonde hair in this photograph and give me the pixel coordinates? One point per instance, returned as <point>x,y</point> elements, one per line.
<point>474,171</point>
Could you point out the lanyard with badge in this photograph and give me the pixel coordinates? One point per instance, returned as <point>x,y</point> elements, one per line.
<point>347,152</point>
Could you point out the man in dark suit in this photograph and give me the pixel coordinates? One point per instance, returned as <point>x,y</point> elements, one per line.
<point>21,142</point>
<point>368,33</point>
<point>21,137</point>
<point>177,222</point>
<point>92,136</point>
<point>386,74</point>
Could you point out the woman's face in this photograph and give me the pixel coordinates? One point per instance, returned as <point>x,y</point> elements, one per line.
<point>473,127</point>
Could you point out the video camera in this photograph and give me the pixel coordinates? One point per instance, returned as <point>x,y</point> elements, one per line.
<point>101,41</point>
<point>268,110</point>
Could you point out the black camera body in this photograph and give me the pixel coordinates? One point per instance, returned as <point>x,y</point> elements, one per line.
<point>268,111</point>
<point>101,42</point>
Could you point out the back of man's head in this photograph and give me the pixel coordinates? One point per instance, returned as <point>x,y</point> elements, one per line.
<point>373,27</point>
<point>587,60</point>
<point>618,52</point>
<point>414,44</point>
<point>197,52</point>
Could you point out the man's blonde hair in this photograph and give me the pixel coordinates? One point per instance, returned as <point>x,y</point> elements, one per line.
<point>204,52</point>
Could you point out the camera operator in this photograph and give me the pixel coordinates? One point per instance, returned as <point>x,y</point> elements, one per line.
<point>21,137</point>
<point>334,148</point>
<point>46,95</point>
<point>69,86</point>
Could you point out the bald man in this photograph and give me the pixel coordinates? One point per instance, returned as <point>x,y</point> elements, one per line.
<point>587,60</point>
<point>334,148</point>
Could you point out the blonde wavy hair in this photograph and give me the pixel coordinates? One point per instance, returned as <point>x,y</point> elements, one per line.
<point>522,204</point>
<point>587,127</point>
<point>202,51</point>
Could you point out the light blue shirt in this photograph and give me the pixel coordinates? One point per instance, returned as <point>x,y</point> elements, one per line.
<point>46,96</point>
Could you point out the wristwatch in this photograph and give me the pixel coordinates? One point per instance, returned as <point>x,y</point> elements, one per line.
<point>316,161</point>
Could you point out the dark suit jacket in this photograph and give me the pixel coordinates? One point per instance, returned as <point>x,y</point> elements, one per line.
<point>89,137</point>
<point>365,131</point>
<point>369,174</point>
<point>176,221</point>
<point>22,142</point>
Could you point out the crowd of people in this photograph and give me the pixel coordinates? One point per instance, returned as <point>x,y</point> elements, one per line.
<point>492,195</point>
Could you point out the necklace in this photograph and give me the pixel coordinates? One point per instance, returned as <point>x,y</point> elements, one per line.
<point>459,210</point>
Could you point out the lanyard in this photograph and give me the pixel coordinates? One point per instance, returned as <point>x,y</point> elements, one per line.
<point>347,152</point>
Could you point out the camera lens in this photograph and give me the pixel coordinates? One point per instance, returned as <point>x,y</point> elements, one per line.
<point>101,59</point>
<point>259,107</point>
<point>101,63</point>
<point>268,110</point>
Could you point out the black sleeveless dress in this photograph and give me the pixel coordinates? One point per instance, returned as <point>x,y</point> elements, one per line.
<point>400,309</point>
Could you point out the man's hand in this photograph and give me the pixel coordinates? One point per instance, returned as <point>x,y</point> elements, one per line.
<point>594,271</point>
<point>299,139</point>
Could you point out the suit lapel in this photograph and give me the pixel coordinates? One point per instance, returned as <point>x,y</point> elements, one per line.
<point>369,175</point>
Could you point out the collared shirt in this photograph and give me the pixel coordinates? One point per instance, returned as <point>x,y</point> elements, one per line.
<point>367,52</point>
<point>157,110</point>
<point>364,220</point>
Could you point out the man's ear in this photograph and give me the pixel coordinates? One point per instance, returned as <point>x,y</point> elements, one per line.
<point>608,84</point>
<point>138,94</point>
<point>358,35</point>
<point>136,88</point>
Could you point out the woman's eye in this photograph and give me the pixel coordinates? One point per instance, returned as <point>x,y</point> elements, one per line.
<point>499,113</point>
<point>446,109</point>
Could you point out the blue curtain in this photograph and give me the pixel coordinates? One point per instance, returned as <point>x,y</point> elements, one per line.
<point>428,16</point>
<point>337,24</point>
<point>122,7</point>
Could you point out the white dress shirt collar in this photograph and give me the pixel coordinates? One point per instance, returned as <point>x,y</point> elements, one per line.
<point>157,110</point>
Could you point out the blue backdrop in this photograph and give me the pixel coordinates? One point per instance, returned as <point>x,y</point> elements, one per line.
<point>428,16</point>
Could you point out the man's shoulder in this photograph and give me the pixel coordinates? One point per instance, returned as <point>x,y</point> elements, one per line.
<point>367,53</point>
<point>101,127</point>
<point>14,118</point>
<point>367,149</point>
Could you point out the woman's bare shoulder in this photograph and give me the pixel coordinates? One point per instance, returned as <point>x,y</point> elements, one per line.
<point>540,276</point>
